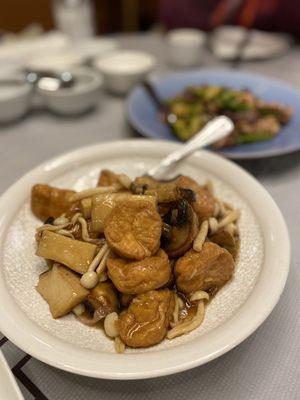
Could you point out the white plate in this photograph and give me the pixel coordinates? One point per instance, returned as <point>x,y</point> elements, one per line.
<point>9,388</point>
<point>237,310</point>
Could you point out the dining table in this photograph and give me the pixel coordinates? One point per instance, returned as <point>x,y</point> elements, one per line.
<point>264,366</point>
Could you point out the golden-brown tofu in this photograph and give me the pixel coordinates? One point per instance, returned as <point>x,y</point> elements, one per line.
<point>48,201</point>
<point>182,236</point>
<point>147,318</point>
<point>103,204</point>
<point>206,270</point>
<point>76,254</point>
<point>133,229</point>
<point>227,241</point>
<point>107,178</point>
<point>133,277</point>
<point>62,290</point>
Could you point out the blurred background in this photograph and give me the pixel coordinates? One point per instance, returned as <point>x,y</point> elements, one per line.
<point>130,39</point>
<point>108,16</point>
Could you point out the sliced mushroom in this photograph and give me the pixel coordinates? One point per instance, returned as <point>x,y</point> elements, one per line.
<point>101,301</point>
<point>226,240</point>
<point>183,232</point>
<point>169,192</point>
<point>165,191</point>
<point>104,294</point>
<point>204,203</point>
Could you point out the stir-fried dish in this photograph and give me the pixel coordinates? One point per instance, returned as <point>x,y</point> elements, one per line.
<point>255,120</point>
<point>140,259</point>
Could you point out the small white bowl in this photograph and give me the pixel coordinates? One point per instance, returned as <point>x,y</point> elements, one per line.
<point>57,60</point>
<point>184,45</point>
<point>90,48</point>
<point>14,101</point>
<point>77,99</point>
<point>123,69</point>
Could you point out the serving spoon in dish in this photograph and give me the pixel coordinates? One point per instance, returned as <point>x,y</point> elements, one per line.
<point>216,129</point>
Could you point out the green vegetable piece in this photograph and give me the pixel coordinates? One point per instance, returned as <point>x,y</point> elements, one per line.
<point>254,137</point>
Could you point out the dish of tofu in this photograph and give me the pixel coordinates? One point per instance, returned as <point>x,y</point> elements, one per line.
<point>98,259</point>
<point>139,258</point>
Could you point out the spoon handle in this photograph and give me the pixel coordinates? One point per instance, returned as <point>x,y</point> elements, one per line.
<point>214,130</point>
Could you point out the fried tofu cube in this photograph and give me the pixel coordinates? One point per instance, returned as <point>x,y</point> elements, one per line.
<point>48,201</point>
<point>103,204</point>
<point>62,290</point>
<point>75,254</point>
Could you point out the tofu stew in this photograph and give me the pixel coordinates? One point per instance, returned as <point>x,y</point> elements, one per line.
<point>138,258</point>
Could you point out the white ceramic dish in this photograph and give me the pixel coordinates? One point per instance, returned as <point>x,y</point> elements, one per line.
<point>123,69</point>
<point>77,99</point>
<point>234,313</point>
<point>184,46</point>
<point>9,389</point>
<point>62,59</point>
<point>14,101</point>
<point>225,43</point>
<point>95,47</point>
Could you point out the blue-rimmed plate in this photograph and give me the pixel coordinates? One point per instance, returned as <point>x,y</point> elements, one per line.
<point>142,113</point>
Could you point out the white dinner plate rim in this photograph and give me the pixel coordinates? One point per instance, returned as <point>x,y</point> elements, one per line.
<point>53,351</point>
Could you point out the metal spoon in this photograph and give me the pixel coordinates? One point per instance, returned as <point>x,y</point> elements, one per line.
<point>216,129</point>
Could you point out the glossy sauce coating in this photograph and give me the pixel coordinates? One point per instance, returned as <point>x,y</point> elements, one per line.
<point>132,277</point>
<point>206,270</point>
<point>133,229</point>
<point>147,318</point>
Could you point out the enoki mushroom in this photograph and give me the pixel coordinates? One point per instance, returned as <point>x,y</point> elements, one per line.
<point>188,326</point>
<point>90,279</point>
<point>85,234</point>
<point>176,311</point>
<point>91,192</point>
<point>200,238</point>
<point>213,225</point>
<point>64,232</point>
<point>102,264</point>
<point>119,345</point>
<point>231,217</point>
<point>199,295</point>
